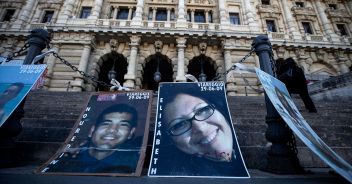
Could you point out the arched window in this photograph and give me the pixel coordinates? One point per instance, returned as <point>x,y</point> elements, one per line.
<point>153,63</point>
<point>112,62</point>
<point>202,64</point>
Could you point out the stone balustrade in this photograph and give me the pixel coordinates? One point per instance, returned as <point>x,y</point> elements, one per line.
<point>315,38</point>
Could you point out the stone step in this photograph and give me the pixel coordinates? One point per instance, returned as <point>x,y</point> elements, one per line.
<point>50,123</point>
<point>50,116</point>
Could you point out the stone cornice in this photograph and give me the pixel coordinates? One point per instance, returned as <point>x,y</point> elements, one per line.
<point>268,9</point>
<point>306,11</point>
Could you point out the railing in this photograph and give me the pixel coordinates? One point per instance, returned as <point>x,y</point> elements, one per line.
<point>315,38</point>
<point>37,26</point>
<point>77,21</point>
<point>5,25</point>
<point>203,26</point>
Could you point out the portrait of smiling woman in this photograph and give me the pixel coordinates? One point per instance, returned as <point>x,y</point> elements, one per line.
<point>197,135</point>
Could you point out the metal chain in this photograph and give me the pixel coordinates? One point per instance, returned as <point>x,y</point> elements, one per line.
<point>272,62</point>
<point>74,68</point>
<point>15,54</point>
<point>233,67</point>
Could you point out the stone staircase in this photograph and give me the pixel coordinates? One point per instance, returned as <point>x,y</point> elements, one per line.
<point>49,117</point>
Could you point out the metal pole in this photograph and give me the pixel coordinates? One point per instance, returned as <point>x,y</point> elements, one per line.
<point>38,40</point>
<point>282,155</point>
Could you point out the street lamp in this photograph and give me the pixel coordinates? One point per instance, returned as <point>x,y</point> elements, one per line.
<point>202,75</point>
<point>157,74</point>
<point>112,72</point>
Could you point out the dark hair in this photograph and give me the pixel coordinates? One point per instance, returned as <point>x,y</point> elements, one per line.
<point>20,85</point>
<point>119,108</point>
<point>290,62</point>
<point>195,91</point>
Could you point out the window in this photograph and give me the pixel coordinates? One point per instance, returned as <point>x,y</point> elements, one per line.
<point>333,6</point>
<point>122,13</point>
<point>266,2</point>
<point>342,29</point>
<point>150,14</point>
<point>270,24</point>
<point>300,4</point>
<point>189,16</point>
<point>8,15</point>
<point>112,12</point>
<point>48,15</point>
<point>161,15</point>
<point>235,18</point>
<point>199,16</point>
<point>85,12</point>
<point>172,16</point>
<point>307,28</point>
<point>133,12</point>
<point>210,17</point>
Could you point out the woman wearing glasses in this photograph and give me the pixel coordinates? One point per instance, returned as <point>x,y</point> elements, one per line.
<point>197,128</point>
<point>198,136</point>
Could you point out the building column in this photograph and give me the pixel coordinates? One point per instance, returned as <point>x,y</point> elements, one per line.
<point>131,69</point>
<point>326,24</point>
<point>341,61</point>
<point>130,11</point>
<point>349,4</point>
<point>66,12</point>
<point>154,14</point>
<point>192,15</point>
<point>25,14</point>
<point>181,18</point>
<point>14,17</point>
<point>78,83</point>
<point>250,15</point>
<point>36,16</point>
<point>96,9</point>
<point>137,19</point>
<point>168,14</point>
<point>181,45</point>
<point>50,66</point>
<point>207,16</point>
<point>224,21</point>
<point>291,23</point>
<point>230,85</point>
<point>116,10</point>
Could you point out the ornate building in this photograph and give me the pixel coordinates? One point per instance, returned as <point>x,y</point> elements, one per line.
<point>145,41</point>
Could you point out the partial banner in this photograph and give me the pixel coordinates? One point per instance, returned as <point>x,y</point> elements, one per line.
<point>15,82</point>
<point>109,138</point>
<point>194,135</point>
<point>284,105</point>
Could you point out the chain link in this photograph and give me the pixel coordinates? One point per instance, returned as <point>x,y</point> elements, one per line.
<point>74,68</point>
<point>272,62</point>
<point>218,76</point>
<point>15,54</point>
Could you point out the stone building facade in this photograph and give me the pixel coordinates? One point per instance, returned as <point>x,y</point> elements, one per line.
<point>137,38</point>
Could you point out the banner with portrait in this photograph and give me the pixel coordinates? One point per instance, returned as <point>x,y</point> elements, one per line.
<point>194,135</point>
<point>15,82</point>
<point>109,138</point>
<point>280,98</point>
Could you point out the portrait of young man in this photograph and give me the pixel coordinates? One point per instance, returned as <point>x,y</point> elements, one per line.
<point>109,141</point>
<point>195,136</point>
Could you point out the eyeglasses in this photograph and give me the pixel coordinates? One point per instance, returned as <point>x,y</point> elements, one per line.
<point>181,126</point>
